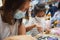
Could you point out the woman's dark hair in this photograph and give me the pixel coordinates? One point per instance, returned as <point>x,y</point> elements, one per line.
<point>50,5</point>
<point>9,7</point>
<point>27,14</point>
<point>59,6</point>
<point>39,8</point>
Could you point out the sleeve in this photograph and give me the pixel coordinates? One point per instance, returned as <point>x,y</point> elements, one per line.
<point>30,22</point>
<point>54,18</point>
<point>0,28</point>
<point>48,11</point>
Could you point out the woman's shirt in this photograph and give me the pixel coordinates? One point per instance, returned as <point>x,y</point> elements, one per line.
<point>7,30</point>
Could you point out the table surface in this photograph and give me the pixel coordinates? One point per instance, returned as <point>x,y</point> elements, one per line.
<point>50,35</point>
<point>21,37</point>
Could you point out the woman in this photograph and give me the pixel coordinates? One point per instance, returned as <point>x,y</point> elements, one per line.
<point>52,10</point>
<point>13,11</point>
<point>56,17</point>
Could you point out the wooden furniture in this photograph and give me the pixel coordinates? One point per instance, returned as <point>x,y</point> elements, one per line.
<point>21,37</point>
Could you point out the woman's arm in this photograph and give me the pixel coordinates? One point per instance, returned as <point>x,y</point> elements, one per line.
<point>21,30</point>
<point>54,17</point>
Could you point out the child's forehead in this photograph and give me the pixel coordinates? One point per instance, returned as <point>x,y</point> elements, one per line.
<point>28,0</point>
<point>41,11</point>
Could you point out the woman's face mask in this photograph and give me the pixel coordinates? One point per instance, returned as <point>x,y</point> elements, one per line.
<point>19,14</point>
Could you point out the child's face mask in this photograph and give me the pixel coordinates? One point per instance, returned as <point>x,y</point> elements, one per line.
<point>19,14</point>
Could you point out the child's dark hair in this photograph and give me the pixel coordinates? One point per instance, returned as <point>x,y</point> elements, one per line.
<point>39,8</point>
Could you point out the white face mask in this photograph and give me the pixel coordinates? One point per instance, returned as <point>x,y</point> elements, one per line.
<point>19,14</point>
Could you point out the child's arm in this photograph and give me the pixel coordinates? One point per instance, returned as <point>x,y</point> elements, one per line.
<point>30,27</point>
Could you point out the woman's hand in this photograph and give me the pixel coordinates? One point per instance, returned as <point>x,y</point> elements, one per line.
<point>47,31</point>
<point>38,25</point>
